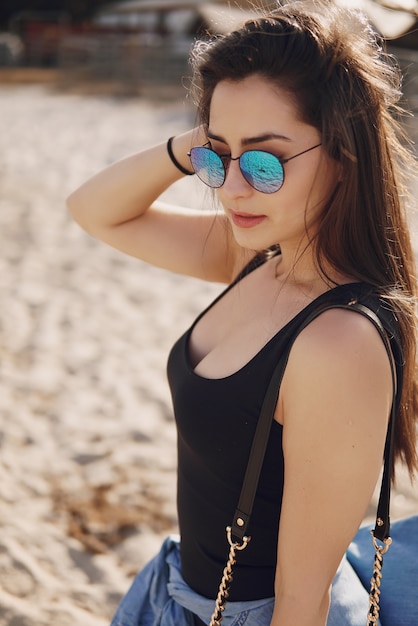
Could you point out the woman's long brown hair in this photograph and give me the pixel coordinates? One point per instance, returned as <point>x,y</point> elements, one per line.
<point>344,84</point>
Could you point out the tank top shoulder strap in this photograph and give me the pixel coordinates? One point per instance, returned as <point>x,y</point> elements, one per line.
<point>367,295</point>
<point>259,259</point>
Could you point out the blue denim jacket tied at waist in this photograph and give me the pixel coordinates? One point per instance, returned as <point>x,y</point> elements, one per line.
<point>160,597</point>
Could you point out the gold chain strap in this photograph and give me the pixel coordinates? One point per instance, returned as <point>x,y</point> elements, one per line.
<point>374,597</point>
<point>225,583</point>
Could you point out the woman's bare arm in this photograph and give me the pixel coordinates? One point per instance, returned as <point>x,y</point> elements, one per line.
<point>334,404</point>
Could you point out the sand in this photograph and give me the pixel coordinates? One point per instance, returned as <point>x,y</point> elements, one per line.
<point>87,438</point>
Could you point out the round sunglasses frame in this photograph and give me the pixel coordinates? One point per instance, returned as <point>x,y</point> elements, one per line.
<point>224,161</point>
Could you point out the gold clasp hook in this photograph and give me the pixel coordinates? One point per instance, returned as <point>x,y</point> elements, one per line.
<point>234,544</point>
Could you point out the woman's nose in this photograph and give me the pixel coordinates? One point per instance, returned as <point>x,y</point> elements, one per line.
<point>235,183</point>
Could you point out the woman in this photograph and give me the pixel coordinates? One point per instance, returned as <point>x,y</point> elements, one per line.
<point>297,134</point>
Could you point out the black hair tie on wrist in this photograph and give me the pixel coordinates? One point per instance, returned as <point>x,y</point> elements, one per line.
<point>174,160</point>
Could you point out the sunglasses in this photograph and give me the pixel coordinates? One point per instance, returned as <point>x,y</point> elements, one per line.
<point>262,170</point>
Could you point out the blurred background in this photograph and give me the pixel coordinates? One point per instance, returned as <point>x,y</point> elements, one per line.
<point>87,439</point>
<point>137,42</point>
<point>131,43</point>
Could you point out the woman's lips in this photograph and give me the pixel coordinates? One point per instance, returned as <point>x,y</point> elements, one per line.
<point>246,220</point>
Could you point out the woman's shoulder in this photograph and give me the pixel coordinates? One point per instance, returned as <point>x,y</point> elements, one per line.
<point>339,342</point>
<point>338,357</point>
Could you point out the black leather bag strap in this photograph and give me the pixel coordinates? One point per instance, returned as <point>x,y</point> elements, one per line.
<point>243,511</point>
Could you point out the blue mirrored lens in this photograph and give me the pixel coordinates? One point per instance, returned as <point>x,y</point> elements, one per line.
<point>208,166</point>
<point>262,170</point>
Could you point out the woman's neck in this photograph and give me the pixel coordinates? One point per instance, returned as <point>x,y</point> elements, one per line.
<point>301,270</point>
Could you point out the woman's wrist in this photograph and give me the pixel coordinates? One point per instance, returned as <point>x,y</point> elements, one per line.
<point>174,160</point>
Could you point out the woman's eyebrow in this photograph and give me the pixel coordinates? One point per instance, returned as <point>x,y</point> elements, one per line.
<point>210,135</point>
<point>266,137</point>
<point>249,140</point>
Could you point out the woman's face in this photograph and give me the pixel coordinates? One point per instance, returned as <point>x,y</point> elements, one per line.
<point>251,114</point>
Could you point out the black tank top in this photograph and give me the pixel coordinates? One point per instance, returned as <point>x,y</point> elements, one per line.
<point>216,421</point>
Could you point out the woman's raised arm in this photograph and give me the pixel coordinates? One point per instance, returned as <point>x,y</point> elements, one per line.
<point>119,206</point>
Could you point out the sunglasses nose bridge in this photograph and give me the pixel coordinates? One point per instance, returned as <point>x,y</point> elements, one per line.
<point>226,161</point>
<point>235,179</point>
